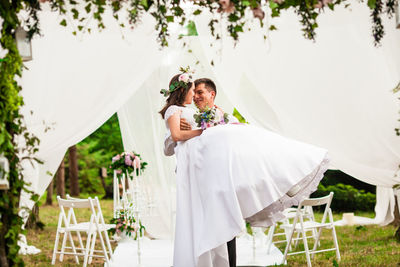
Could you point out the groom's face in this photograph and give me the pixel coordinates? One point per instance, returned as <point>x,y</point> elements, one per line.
<point>203,97</point>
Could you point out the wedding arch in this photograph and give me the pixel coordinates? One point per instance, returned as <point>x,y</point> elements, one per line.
<point>334,93</point>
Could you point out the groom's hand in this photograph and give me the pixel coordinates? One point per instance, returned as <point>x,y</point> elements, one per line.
<point>184,125</point>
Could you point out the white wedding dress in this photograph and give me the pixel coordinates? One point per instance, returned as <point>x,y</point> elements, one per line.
<point>230,173</point>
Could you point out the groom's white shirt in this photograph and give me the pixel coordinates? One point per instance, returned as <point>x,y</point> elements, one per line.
<point>170,144</point>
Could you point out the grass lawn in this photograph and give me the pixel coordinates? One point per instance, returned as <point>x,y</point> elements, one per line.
<point>359,246</point>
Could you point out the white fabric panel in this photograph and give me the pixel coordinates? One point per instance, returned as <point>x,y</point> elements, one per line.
<point>74,84</point>
<point>335,92</point>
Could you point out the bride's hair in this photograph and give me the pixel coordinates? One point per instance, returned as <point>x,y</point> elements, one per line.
<point>178,96</point>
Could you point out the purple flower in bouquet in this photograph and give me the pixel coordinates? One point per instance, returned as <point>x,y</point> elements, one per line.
<point>128,160</point>
<point>210,117</point>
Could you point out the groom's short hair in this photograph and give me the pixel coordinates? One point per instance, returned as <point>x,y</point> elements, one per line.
<point>208,83</point>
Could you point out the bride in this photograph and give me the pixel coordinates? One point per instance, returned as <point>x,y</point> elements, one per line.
<point>229,174</point>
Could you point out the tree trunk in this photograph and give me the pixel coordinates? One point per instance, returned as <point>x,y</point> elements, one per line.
<point>61,180</point>
<point>396,221</point>
<point>33,221</point>
<point>107,189</point>
<point>73,171</point>
<point>49,197</point>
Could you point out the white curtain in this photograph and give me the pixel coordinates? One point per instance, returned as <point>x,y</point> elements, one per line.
<point>75,83</point>
<point>335,92</point>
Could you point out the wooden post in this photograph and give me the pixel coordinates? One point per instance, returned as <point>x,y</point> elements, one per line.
<point>73,171</point>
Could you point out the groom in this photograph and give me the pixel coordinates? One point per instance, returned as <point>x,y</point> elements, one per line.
<point>204,96</point>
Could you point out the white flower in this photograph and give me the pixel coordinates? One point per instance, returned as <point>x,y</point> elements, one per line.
<point>185,77</point>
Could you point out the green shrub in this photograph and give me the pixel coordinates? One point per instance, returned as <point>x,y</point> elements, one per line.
<point>347,198</point>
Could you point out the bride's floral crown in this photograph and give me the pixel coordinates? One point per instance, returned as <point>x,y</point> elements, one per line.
<point>183,81</point>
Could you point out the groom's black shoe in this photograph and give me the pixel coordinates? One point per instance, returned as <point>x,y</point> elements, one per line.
<point>232,252</point>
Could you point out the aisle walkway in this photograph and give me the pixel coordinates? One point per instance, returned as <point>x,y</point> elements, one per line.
<point>158,253</point>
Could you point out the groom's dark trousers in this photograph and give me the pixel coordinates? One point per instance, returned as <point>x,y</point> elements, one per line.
<point>232,252</point>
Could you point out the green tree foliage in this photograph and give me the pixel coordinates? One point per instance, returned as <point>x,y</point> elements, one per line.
<point>95,152</point>
<point>347,198</point>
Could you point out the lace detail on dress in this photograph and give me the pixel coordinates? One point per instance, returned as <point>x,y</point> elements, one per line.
<point>171,111</point>
<point>273,213</point>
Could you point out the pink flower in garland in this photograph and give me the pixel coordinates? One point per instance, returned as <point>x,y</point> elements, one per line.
<point>128,160</point>
<point>116,158</point>
<point>185,77</point>
<point>136,163</point>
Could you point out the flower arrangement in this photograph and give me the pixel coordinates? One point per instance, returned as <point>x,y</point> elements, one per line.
<point>210,117</point>
<point>183,81</point>
<point>127,224</point>
<point>127,162</point>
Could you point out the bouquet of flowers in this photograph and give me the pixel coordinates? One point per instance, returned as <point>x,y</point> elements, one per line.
<point>210,117</point>
<point>127,162</point>
<point>127,224</point>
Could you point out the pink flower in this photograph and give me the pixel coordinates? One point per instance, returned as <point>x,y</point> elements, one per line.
<point>116,158</point>
<point>319,4</point>
<point>118,171</point>
<point>136,163</point>
<point>184,78</point>
<point>128,160</point>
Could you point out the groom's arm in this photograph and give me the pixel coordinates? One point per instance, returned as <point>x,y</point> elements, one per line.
<point>184,125</point>
<point>169,144</point>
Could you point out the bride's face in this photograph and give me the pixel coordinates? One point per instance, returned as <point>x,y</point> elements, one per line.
<point>189,96</point>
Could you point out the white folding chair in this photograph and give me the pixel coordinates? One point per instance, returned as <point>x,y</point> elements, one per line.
<point>303,226</point>
<point>290,214</point>
<point>68,224</point>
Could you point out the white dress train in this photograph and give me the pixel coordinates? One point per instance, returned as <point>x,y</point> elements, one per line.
<point>234,172</point>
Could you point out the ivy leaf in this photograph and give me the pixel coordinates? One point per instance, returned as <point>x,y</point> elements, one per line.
<point>169,18</point>
<point>197,12</point>
<point>75,13</point>
<point>88,7</point>
<point>372,4</point>
<point>35,197</point>
<point>272,28</point>
<point>63,23</point>
<point>192,30</point>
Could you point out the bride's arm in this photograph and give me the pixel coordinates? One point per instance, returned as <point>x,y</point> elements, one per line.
<point>176,133</point>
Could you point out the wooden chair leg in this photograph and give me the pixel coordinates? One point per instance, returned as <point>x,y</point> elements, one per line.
<point>53,260</point>
<point>88,242</point>
<point>63,246</point>
<point>73,247</point>
<point>306,248</point>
